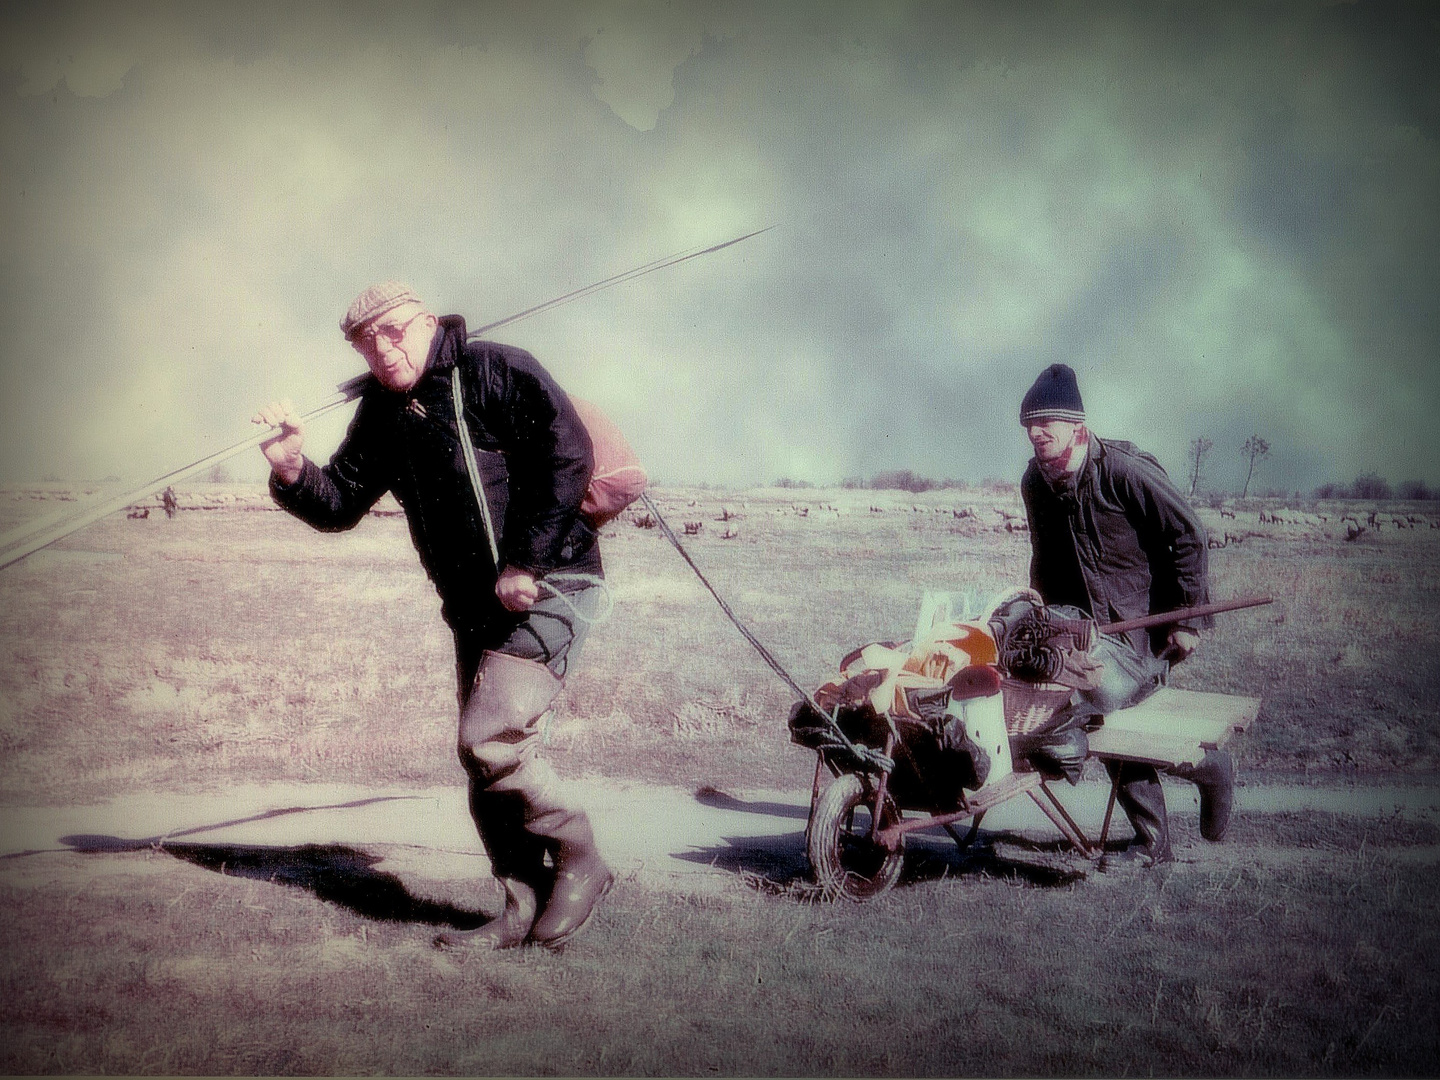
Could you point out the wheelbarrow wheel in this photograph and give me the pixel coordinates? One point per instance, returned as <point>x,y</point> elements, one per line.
<point>846,862</point>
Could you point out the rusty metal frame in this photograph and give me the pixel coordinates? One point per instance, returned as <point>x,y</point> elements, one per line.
<point>1064,822</point>
<point>1025,783</point>
<point>1109,811</point>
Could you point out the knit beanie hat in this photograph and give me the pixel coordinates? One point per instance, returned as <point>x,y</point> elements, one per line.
<point>374,302</point>
<point>1054,396</point>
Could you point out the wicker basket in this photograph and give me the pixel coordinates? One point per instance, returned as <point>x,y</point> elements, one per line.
<point>1030,706</point>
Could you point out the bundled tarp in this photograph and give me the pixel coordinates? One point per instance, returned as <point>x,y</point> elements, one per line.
<point>960,698</point>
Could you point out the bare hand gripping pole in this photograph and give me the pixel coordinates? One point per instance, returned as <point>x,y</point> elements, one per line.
<point>30,537</point>
<point>55,527</point>
<point>1081,628</point>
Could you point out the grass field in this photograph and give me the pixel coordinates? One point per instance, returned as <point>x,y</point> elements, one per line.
<point>232,646</point>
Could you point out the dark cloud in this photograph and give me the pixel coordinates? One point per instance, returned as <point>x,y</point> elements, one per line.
<point>1222,216</point>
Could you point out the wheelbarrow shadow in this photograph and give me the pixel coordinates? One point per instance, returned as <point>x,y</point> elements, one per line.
<point>341,875</point>
<point>778,863</point>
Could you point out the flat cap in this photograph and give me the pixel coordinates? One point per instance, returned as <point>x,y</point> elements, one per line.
<point>374,302</point>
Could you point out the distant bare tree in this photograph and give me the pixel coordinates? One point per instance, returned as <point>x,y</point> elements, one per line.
<point>901,480</point>
<point>1254,449</point>
<point>1198,449</point>
<point>1371,485</point>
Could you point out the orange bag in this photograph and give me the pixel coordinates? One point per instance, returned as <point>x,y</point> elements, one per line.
<point>618,479</point>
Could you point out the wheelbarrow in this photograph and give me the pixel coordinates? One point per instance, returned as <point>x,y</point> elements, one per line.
<point>855,834</point>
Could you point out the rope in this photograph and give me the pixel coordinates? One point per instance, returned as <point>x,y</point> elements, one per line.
<point>589,579</point>
<point>864,753</point>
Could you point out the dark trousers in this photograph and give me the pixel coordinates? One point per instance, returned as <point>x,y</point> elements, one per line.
<point>1128,678</point>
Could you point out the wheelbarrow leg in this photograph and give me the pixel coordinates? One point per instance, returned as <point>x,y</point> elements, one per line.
<point>1063,821</point>
<point>814,794</point>
<point>1109,811</point>
<point>970,834</point>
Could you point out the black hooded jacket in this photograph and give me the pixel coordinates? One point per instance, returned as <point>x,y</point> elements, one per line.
<point>1116,540</point>
<point>534,456</point>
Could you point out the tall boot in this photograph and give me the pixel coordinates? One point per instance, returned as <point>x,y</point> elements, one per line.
<point>581,874</point>
<point>515,860</point>
<point>1215,777</point>
<point>1143,800</point>
<point>498,717</point>
<point>507,930</point>
<point>516,799</point>
<point>499,815</point>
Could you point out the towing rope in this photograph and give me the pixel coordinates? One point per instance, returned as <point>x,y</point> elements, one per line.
<point>865,754</point>
<point>589,579</point>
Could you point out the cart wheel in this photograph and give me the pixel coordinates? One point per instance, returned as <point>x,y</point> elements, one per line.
<point>847,863</point>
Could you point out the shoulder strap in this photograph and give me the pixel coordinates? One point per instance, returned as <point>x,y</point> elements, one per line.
<point>463,426</point>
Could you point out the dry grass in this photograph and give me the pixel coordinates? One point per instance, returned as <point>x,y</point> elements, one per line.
<point>239,646</point>
<point>148,964</point>
<point>235,646</point>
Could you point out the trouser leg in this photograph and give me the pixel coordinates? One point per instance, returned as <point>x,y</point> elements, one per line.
<point>1140,795</point>
<point>1128,677</point>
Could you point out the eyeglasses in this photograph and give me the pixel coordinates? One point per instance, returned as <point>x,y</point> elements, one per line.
<point>392,332</point>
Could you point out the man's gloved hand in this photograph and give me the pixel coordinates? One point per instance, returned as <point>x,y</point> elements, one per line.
<point>517,589</point>
<point>1182,642</point>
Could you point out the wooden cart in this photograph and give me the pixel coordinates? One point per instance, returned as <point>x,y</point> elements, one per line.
<point>855,837</point>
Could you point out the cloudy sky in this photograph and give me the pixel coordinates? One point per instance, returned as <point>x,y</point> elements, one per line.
<point>1224,218</point>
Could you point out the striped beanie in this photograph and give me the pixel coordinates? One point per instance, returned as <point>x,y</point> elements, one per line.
<point>1054,396</point>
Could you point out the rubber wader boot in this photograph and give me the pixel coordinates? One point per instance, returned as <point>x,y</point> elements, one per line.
<point>507,930</point>
<point>516,859</point>
<point>516,799</point>
<point>498,727</point>
<point>1215,777</point>
<point>581,877</point>
<point>1143,800</point>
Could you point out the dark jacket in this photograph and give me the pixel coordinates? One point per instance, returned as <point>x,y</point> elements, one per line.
<point>534,456</point>
<point>1116,540</point>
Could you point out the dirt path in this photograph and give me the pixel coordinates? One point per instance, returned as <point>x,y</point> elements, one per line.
<point>659,837</point>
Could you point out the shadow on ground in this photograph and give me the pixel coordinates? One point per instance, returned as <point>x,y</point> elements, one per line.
<point>333,872</point>
<point>719,800</point>
<point>779,863</point>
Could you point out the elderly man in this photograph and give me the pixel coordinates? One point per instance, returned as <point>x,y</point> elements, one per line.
<point>1111,536</point>
<point>490,462</point>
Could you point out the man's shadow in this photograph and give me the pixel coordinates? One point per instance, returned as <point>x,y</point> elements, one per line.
<point>779,863</point>
<point>333,872</point>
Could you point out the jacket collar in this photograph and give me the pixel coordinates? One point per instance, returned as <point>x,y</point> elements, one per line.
<point>449,342</point>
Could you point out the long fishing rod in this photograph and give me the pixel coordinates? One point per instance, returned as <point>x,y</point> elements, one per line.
<point>30,537</point>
